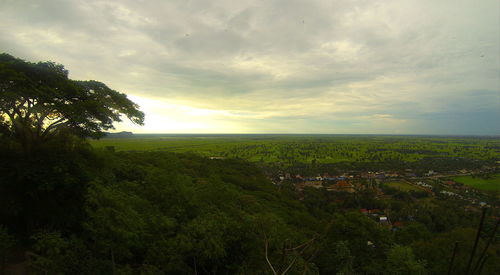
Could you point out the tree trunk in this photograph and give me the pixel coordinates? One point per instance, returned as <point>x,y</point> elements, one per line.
<point>113,265</point>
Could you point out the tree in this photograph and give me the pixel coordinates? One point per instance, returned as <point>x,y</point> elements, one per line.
<point>401,260</point>
<point>38,101</point>
<point>365,240</point>
<point>6,242</point>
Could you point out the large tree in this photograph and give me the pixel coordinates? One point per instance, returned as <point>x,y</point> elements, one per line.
<point>38,101</point>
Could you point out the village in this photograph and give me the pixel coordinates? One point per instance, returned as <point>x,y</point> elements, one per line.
<point>432,184</point>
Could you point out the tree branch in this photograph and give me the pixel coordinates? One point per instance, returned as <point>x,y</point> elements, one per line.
<point>41,119</point>
<point>266,244</point>
<point>304,244</point>
<point>304,247</point>
<point>56,123</point>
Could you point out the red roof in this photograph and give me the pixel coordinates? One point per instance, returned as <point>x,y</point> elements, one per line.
<point>343,183</point>
<point>397,224</point>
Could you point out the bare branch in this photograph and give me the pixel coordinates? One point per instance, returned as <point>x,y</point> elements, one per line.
<point>305,246</point>
<point>266,244</point>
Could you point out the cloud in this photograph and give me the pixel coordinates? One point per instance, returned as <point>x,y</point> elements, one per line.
<point>359,66</point>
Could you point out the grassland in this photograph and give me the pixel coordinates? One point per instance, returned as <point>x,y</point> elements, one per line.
<point>202,145</point>
<point>490,184</point>
<point>324,149</point>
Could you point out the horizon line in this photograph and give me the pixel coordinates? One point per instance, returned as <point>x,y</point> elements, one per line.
<point>345,134</point>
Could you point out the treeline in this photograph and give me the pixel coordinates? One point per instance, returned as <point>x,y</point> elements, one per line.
<point>291,151</point>
<point>76,210</point>
<point>443,153</point>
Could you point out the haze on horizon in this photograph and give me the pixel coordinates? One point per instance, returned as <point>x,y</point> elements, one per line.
<point>282,66</point>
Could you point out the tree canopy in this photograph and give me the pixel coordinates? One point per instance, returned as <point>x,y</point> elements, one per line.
<point>38,101</point>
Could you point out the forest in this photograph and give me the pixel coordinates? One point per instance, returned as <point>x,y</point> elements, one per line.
<point>78,210</point>
<point>69,205</point>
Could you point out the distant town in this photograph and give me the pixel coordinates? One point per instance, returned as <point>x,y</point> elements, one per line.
<point>433,184</point>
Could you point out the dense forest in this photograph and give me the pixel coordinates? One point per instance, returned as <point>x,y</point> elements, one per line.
<point>69,208</point>
<point>76,210</point>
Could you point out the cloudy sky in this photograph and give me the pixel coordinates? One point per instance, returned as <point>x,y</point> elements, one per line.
<point>277,66</point>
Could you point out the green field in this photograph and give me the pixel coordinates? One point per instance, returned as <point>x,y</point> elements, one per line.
<point>323,149</point>
<point>402,186</point>
<point>200,145</point>
<point>491,184</point>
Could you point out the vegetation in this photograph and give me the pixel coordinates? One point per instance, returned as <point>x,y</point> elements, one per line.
<point>67,207</point>
<point>313,155</point>
<point>402,186</point>
<point>167,213</point>
<point>487,183</point>
<point>448,153</point>
<point>38,102</point>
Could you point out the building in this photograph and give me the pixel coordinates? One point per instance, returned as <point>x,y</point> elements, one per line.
<point>342,186</point>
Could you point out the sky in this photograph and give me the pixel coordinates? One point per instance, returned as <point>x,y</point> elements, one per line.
<point>277,66</point>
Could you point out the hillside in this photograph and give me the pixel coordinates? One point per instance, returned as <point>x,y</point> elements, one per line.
<point>80,210</point>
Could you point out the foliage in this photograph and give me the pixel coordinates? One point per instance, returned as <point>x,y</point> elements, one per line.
<point>167,208</point>
<point>488,184</point>
<point>437,252</point>
<point>6,243</point>
<point>160,210</point>
<point>38,101</point>
<point>166,213</point>
<point>54,254</point>
<point>365,240</point>
<point>411,232</point>
<point>38,189</point>
<point>371,152</point>
<point>403,186</point>
<point>401,261</point>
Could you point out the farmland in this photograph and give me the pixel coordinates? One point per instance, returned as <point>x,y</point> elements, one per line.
<point>487,184</point>
<point>290,150</point>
